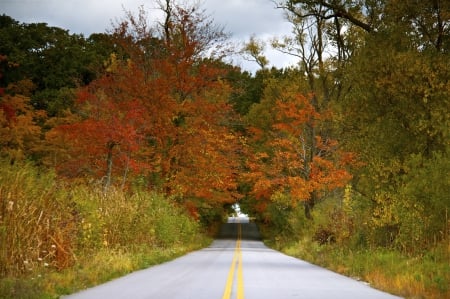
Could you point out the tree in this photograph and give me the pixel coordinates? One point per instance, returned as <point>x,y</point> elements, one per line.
<point>363,14</point>
<point>253,51</point>
<point>394,115</point>
<point>286,162</point>
<point>19,122</point>
<point>104,139</point>
<point>34,47</point>
<point>162,107</point>
<point>427,22</point>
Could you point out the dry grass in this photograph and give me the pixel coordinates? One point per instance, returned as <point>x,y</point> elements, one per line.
<point>426,276</point>
<point>57,239</point>
<point>36,227</point>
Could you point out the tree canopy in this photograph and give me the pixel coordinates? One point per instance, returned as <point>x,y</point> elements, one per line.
<point>156,107</point>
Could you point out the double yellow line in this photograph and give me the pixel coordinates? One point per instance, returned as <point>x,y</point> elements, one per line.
<point>237,259</point>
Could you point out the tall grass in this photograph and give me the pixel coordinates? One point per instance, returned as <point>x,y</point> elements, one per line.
<point>338,240</point>
<point>56,238</point>
<point>36,227</point>
<point>424,276</point>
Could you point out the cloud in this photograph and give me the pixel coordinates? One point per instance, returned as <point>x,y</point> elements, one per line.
<point>246,17</point>
<point>242,18</point>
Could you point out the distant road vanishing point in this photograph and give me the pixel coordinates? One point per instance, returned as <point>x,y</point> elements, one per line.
<point>237,265</point>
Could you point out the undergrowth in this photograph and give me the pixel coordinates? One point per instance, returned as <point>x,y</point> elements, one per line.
<point>58,238</point>
<point>343,243</point>
<point>424,276</point>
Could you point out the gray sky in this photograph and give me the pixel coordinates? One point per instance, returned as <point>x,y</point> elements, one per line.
<point>242,18</point>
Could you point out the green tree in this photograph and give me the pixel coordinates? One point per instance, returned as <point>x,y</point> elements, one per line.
<point>395,115</point>
<point>253,50</point>
<point>34,47</point>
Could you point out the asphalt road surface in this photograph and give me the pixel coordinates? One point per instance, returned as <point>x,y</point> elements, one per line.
<point>237,265</point>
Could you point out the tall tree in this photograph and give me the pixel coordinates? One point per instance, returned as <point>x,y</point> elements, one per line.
<point>162,105</point>
<point>286,160</point>
<point>395,117</point>
<point>19,122</point>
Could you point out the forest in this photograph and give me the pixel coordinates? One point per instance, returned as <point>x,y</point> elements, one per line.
<point>133,145</point>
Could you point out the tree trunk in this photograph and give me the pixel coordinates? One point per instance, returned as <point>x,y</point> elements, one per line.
<point>109,163</point>
<point>309,205</point>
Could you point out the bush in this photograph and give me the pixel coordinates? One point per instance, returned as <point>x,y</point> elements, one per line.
<point>36,225</point>
<point>324,236</point>
<point>51,231</point>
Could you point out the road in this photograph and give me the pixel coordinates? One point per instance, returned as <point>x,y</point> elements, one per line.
<point>237,265</point>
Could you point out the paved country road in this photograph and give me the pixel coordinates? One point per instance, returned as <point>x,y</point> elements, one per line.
<point>237,265</point>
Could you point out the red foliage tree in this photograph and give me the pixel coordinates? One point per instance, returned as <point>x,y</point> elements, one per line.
<point>293,164</point>
<point>106,137</point>
<point>160,110</point>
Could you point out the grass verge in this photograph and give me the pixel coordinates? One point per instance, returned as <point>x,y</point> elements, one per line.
<point>418,277</point>
<point>89,271</point>
<point>57,237</point>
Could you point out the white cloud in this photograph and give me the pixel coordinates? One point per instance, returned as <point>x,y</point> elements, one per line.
<point>242,18</point>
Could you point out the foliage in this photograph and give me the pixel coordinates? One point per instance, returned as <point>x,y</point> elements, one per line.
<point>246,90</point>
<point>48,226</point>
<point>31,48</point>
<point>296,156</point>
<point>395,116</point>
<point>19,123</point>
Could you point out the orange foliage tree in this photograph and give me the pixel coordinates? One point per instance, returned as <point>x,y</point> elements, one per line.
<point>292,162</point>
<point>103,139</point>
<point>162,108</point>
<point>19,122</point>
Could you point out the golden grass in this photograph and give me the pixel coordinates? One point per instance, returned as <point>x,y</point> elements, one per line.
<point>419,277</point>
<point>56,239</point>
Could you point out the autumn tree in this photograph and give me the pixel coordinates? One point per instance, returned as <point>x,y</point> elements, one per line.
<point>394,115</point>
<point>285,162</point>
<point>318,74</point>
<point>102,139</point>
<point>20,130</point>
<point>161,107</point>
<point>204,152</point>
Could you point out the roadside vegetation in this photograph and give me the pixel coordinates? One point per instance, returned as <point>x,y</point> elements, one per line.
<point>355,178</point>
<point>58,238</point>
<point>344,239</point>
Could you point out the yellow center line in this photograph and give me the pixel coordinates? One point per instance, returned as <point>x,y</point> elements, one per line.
<point>237,258</point>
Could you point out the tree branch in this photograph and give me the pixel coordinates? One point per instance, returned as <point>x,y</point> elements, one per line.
<point>338,11</point>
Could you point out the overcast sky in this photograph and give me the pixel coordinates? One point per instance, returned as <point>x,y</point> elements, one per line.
<point>242,18</point>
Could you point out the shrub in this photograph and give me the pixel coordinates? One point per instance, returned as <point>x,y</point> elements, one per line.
<point>48,226</point>
<point>36,227</point>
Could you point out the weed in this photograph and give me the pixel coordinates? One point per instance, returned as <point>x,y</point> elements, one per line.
<point>57,239</point>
